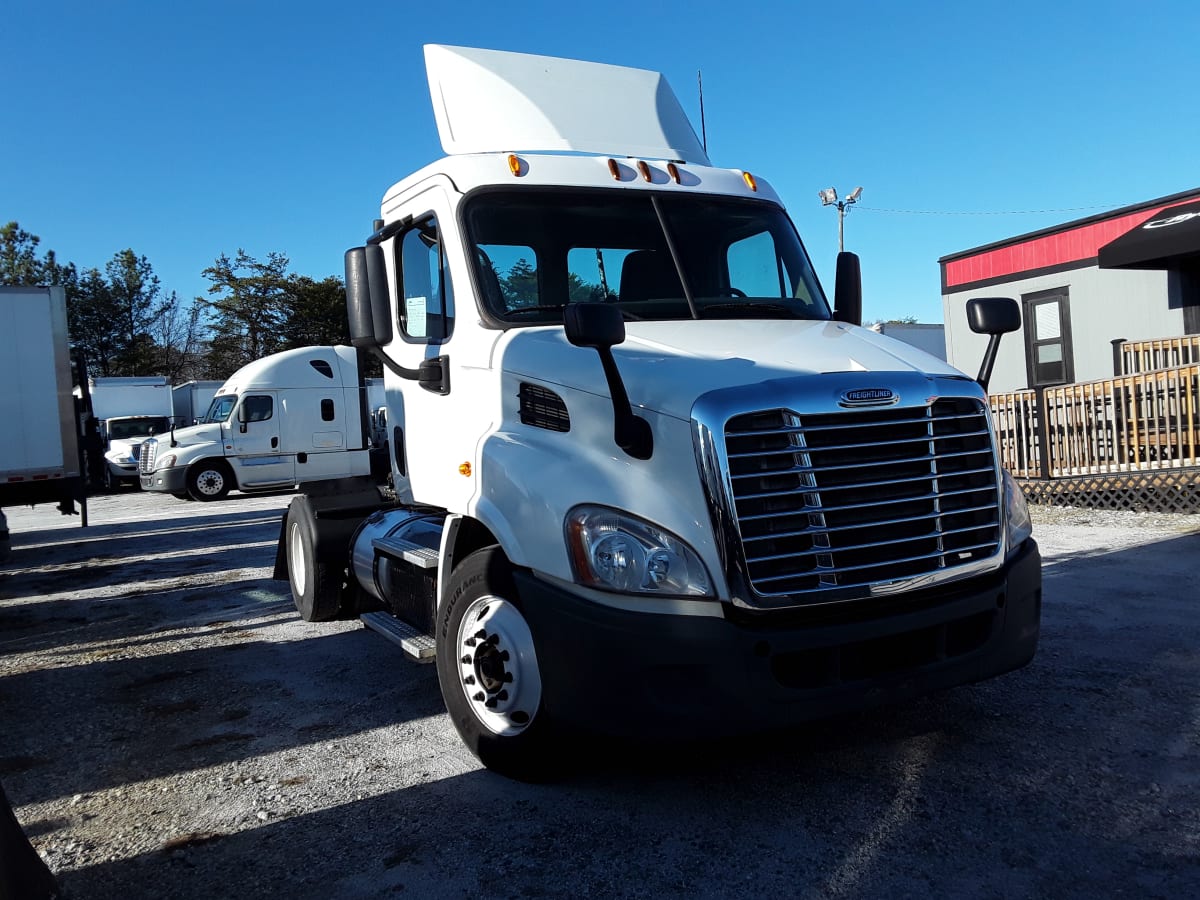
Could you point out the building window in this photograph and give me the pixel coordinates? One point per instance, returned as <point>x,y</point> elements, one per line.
<point>1048,338</point>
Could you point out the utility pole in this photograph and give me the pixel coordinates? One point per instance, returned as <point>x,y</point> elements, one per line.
<point>829,197</point>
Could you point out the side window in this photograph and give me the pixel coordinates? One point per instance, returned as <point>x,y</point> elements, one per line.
<point>256,408</point>
<point>594,273</point>
<point>510,276</point>
<point>426,310</point>
<point>327,414</point>
<point>755,269</point>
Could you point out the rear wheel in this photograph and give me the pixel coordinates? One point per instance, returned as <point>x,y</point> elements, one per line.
<point>316,585</point>
<point>489,674</point>
<point>209,480</point>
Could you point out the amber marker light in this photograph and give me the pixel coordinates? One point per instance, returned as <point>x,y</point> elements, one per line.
<point>673,171</point>
<point>514,164</point>
<point>614,169</point>
<point>644,169</point>
<point>750,182</point>
<point>465,469</point>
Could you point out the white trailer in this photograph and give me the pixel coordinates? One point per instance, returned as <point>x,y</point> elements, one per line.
<point>39,456</point>
<point>646,480</point>
<point>190,401</point>
<point>291,417</point>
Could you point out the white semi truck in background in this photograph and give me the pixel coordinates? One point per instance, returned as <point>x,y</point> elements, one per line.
<point>40,458</point>
<point>646,481</point>
<point>287,418</point>
<point>128,409</point>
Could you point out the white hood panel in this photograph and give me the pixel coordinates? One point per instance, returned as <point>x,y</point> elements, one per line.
<point>667,365</point>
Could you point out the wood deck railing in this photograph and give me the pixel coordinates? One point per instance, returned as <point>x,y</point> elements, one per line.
<point>1161,353</point>
<point>1139,422</point>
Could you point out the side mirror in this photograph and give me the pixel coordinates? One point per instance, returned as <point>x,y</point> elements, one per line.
<point>601,327</point>
<point>847,289</point>
<point>593,324</point>
<point>368,308</point>
<point>993,316</point>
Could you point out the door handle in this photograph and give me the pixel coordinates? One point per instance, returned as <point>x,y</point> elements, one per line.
<point>274,443</point>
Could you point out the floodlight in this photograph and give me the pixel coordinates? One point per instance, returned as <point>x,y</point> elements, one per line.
<point>828,196</point>
<point>854,195</point>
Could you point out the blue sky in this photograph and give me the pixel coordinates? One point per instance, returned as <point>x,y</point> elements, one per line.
<point>187,131</point>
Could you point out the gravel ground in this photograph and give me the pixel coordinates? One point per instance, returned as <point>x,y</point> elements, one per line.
<point>171,728</point>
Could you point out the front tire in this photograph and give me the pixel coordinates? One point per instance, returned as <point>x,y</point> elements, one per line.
<point>489,674</point>
<point>209,480</point>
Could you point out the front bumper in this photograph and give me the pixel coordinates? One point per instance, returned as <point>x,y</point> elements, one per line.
<point>632,673</point>
<point>171,481</point>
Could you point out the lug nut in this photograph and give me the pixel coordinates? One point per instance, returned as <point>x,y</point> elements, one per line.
<point>469,679</point>
<point>478,696</point>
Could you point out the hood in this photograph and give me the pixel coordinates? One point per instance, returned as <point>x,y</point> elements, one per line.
<point>208,433</point>
<point>667,365</point>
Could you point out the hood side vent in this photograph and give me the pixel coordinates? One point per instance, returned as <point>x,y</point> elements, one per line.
<point>542,408</point>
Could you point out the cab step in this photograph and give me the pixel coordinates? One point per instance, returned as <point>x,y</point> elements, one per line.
<point>421,557</point>
<point>417,646</point>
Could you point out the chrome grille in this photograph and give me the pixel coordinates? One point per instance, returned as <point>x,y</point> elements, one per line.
<point>851,499</point>
<point>149,449</point>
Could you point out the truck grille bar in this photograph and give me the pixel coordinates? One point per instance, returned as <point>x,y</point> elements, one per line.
<point>844,500</point>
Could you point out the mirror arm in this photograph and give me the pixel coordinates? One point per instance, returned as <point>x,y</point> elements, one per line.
<point>631,432</point>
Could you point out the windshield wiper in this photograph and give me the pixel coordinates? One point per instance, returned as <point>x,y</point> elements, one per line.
<point>546,307</point>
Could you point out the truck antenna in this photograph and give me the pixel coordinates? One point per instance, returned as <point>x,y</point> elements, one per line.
<point>703,130</point>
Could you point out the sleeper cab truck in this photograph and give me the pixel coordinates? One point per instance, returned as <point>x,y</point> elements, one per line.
<point>287,418</point>
<point>646,481</point>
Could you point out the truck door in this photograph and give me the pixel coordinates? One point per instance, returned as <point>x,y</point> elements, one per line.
<point>256,451</point>
<point>440,431</point>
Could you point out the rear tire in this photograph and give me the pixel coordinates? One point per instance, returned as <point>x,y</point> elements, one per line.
<point>488,671</point>
<point>316,585</point>
<point>209,480</point>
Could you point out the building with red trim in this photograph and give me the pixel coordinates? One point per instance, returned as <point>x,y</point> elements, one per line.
<point>1130,274</point>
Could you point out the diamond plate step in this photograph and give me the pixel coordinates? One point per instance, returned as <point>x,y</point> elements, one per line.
<point>421,557</point>
<point>416,646</point>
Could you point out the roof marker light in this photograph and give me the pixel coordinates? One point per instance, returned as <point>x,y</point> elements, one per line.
<point>644,169</point>
<point>515,164</point>
<point>673,171</point>
<point>614,169</point>
<point>750,182</point>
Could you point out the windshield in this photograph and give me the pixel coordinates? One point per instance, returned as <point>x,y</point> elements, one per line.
<point>123,429</point>
<point>537,251</point>
<point>220,408</point>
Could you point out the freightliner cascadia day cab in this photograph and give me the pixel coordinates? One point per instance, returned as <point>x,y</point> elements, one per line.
<point>646,480</point>
<point>287,418</point>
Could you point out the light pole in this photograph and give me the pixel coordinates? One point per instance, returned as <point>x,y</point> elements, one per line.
<point>829,197</point>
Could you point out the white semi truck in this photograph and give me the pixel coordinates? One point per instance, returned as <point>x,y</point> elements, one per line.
<point>40,460</point>
<point>646,480</point>
<point>287,418</point>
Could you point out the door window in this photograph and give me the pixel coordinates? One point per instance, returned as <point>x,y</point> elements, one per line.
<point>256,408</point>
<point>426,298</point>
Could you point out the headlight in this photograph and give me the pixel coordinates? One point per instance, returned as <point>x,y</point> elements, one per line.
<point>164,462</point>
<point>617,552</point>
<point>1016,513</point>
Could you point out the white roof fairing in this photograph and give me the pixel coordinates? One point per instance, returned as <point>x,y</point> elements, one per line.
<point>488,101</point>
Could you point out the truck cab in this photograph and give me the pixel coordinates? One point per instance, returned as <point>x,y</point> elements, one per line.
<point>289,417</point>
<point>647,479</point>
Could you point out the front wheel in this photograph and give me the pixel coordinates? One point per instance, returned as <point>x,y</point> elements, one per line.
<point>209,480</point>
<point>489,674</point>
